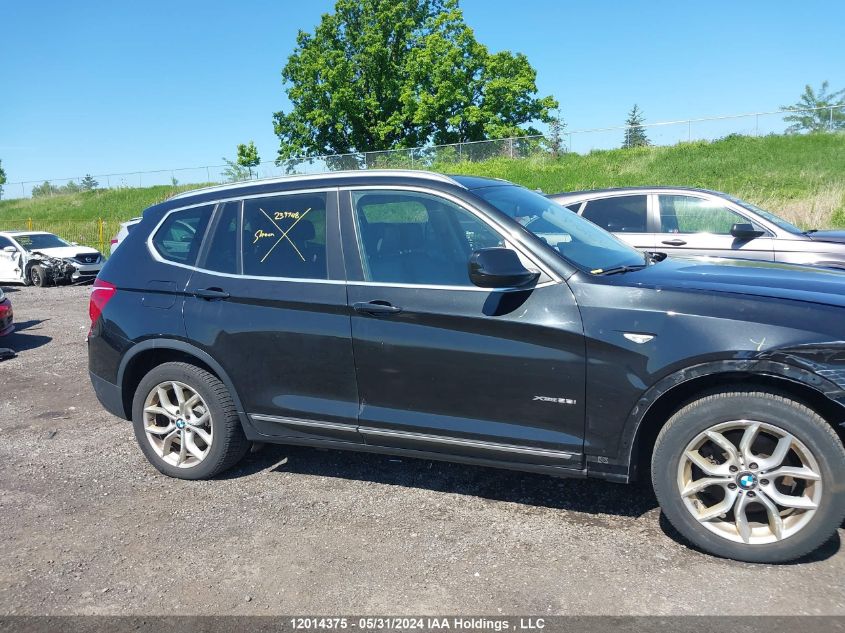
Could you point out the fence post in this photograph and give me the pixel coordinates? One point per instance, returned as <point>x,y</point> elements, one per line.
<point>830,120</point>
<point>29,224</point>
<point>756,125</point>
<point>510,144</point>
<point>101,235</point>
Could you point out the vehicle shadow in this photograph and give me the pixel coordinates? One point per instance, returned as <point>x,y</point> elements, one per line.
<point>575,495</point>
<point>21,341</point>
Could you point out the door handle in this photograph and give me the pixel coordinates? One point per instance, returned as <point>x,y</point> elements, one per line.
<point>211,294</point>
<point>376,308</point>
<point>674,242</point>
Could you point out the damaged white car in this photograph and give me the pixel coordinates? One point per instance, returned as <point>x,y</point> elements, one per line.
<point>39,258</point>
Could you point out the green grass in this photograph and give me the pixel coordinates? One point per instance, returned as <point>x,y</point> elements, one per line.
<point>801,178</point>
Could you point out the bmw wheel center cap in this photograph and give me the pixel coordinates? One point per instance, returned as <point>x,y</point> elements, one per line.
<point>180,424</point>
<point>747,481</point>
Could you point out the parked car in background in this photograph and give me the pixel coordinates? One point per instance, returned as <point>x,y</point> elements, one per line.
<point>230,315</point>
<point>6,315</point>
<point>40,258</point>
<point>685,221</point>
<point>122,233</point>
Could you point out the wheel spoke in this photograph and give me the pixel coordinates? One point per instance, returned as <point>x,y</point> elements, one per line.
<point>183,450</point>
<point>203,435</point>
<point>708,467</point>
<point>164,399</point>
<point>741,519</point>
<point>802,472</point>
<point>204,418</point>
<point>724,443</point>
<point>747,441</point>
<point>705,482</point>
<point>718,509</point>
<point>178,392</point>
<point>778,455</point>
<point>192,401</point>
<point>156,410</point>
<point>160,430</point>
<point>192,447</point>
<point>775,520</point>
<point>790,501</point>
<point>167,442</point>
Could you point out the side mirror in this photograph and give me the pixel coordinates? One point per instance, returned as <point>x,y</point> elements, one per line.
<point>499,268</point>
<point>745,231</point>
<point>10,249</point>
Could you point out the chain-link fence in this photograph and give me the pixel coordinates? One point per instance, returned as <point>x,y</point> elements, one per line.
<point>436,157</point>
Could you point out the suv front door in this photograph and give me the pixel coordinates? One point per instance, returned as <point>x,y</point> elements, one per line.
<point>443,365</point>
<point>693,225</point>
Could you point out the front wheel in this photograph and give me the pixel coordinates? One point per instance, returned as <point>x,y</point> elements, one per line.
<point>750,475</point>
<point>37,276</point>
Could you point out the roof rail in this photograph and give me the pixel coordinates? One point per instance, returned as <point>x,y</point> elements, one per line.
<point>430,175</point>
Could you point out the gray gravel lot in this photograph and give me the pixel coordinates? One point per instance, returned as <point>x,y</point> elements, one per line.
<point>88,527</point>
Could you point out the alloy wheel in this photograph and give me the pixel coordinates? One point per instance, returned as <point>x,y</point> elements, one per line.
<point>177,423</point>
<point>749,482</point>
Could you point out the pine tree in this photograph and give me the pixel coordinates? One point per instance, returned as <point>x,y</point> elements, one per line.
<point>635,132</point>
<point>88,183</point>
<point>554,140</point>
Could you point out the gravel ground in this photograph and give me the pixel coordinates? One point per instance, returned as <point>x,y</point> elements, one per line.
<point>88,527</point>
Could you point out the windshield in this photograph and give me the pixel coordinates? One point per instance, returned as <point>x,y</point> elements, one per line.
<point>767,215</point>
<point>37,241</point>
<point>578,240</point>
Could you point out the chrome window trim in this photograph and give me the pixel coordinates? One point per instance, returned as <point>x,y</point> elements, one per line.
<point>157,256</point>
<point>426,175</point>
<point>509,234</point>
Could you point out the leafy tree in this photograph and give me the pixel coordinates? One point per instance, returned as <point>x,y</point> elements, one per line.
<point>554,139</point>
<point>234,172</point>
<point>248,156</point>
<point>385,74</point>
<point>813,119</point>
<point>88,183</point>
<point>2,178</point>
<point>635,135</point>
<point>70,187</point>
<point>45,189</point>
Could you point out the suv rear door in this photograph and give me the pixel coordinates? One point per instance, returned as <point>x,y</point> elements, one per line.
<point>446,366</point>
<point>268,302</point>
<point>626,216</point>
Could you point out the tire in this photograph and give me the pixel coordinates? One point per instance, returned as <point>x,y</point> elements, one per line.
<point>36,276</point>
<point>227,445</point>
<point>773,420</point>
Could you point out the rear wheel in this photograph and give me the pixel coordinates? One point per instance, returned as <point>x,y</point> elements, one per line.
<point>186,423</point>
<point>750,475</point>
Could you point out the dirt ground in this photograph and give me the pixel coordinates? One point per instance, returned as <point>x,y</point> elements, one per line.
<point>88,527</point>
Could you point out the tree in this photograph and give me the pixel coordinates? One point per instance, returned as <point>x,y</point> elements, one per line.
<point>554,139</point>
<point>386,74</point>
<point>45,189</point>
<point>234,172</point>
<point>820,111</point>
<point>248,156</point>
<point>2,178</point>
<point>635,132</point>
<point>88,183</point>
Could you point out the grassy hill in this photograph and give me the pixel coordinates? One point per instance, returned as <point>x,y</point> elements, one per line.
<point>799,177</point>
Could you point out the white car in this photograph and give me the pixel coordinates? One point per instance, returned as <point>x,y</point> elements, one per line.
<point>124,230</point>
<point>40,258</point>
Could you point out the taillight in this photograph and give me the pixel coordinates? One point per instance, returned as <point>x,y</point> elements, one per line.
<point>113,242</point>
<point>101,294</point>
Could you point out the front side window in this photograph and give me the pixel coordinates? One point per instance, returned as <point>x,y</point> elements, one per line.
<point>285,236</point>
<point>619,214</point>
<point>179,236</point>
<point>416,238</point>
<point>688,214</point>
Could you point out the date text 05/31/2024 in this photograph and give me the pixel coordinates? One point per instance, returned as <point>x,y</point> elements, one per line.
<point>417,623</point>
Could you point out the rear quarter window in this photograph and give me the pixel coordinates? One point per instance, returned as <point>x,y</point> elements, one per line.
<point>179,236</point>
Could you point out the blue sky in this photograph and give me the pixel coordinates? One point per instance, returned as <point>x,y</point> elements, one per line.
<point>105,87</point>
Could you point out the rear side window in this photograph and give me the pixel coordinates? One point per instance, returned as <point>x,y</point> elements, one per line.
<point>285,236</point>
<point>620,214</point>
<point>178,238</point>
<point>223,243</point>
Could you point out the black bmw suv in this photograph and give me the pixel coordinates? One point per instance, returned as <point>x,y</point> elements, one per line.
<point>414,313</point>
